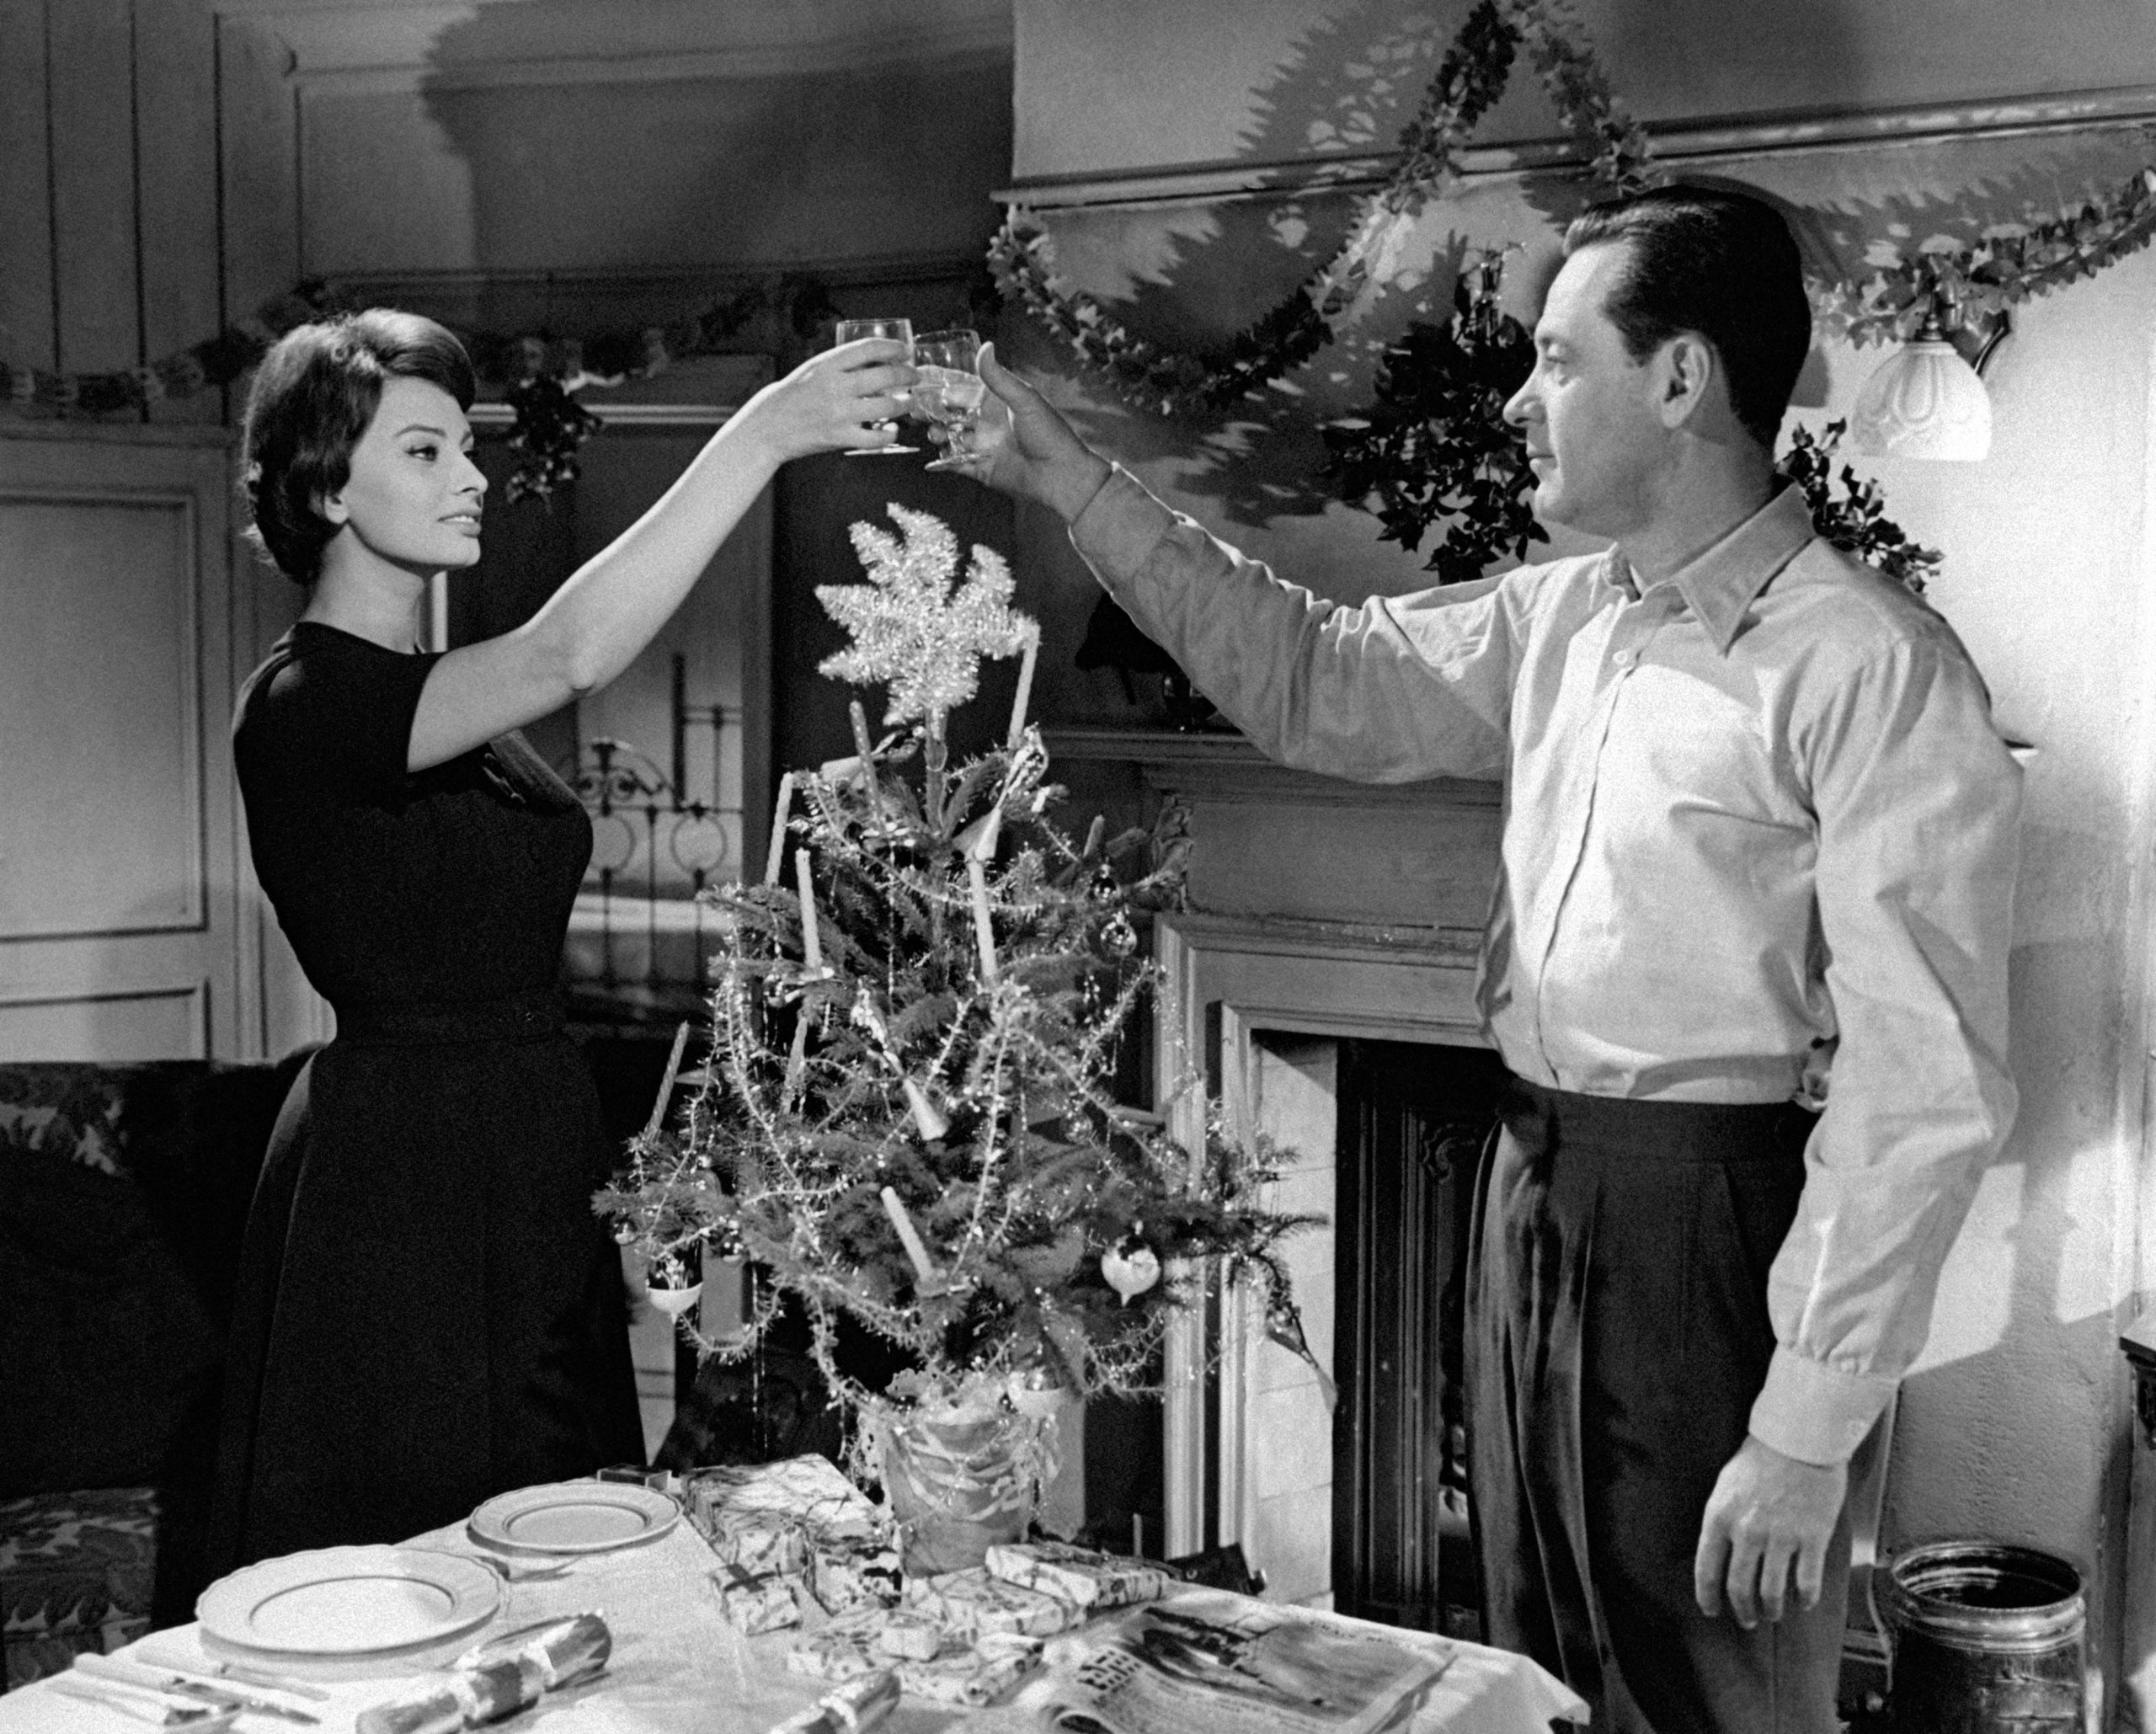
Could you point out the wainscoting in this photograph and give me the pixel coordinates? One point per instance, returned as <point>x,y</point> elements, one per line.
<point>128,925</point>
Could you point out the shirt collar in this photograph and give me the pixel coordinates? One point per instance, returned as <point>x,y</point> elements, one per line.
<point>1719,584</point>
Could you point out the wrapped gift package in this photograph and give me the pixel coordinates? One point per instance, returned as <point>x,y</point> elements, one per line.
<point>910,1635</point>
<point>854,1645</point>
<point>973,1601</point>
<point>798,1516</point>
<point>966,1677</point>
<point>756,1602</point>
<point>1076,1574</point>
<point>849,1572</point>
<point>759,1542</point>
<point>843,1649</point>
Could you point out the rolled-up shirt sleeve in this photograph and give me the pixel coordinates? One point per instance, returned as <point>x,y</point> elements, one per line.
<point>1918,804</point>
<point>1400,689</point>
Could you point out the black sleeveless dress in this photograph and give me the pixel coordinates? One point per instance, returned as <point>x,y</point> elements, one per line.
<point>429,1312</point>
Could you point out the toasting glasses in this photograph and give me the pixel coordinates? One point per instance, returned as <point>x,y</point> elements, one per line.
<point>948,388</point>
<point>851,331</point>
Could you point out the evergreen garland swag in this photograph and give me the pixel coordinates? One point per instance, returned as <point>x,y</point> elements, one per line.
<point>908,1118</point>
<point>1472,75</point>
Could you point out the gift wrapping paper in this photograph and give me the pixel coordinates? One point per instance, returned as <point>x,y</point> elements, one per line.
<point>847,1574</point>
<point>1077,1574</point>
<point>756,1603</point>
<point>972,1601</point>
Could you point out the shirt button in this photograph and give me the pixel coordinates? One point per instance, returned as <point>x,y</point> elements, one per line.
<point>1626,658</point>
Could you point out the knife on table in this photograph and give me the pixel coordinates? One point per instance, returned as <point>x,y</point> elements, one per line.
<point>144,1706</point>
<point>128,1673</point>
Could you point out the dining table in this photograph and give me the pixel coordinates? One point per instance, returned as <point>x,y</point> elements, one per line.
<point>677,1665</point>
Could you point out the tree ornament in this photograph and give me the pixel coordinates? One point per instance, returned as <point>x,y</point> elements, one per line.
<point>1130,1269</point>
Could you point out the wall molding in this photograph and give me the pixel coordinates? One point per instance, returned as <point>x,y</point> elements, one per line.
<point>183,507</point>
<point>193,996</point>
<point>1701,142</point>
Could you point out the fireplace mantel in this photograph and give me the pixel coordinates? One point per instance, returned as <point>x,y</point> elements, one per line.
<point>1387,863</point>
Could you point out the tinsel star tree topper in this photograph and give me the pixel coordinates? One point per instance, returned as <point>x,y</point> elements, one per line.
<point>911,632</point>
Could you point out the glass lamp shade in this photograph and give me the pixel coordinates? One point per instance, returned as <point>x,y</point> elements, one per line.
<point>1923,401</point>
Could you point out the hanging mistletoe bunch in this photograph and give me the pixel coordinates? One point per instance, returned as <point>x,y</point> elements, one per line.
<point>909,1119</point>
<point>1474,73</point>
<point>1435,447</point>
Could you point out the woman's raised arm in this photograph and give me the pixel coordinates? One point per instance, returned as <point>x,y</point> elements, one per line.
<point>613,604</point>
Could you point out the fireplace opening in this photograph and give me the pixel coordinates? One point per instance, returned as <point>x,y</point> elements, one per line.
<point>1413,1121</point>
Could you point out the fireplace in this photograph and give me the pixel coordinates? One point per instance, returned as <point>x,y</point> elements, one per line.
<point>1329,924</point>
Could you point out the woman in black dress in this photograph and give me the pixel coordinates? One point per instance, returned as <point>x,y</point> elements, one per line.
<point>430,1313</point>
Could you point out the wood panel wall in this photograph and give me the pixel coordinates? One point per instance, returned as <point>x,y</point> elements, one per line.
<point>110,200</point>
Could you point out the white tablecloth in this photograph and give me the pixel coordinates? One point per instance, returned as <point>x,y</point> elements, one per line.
<point>679,1668</point>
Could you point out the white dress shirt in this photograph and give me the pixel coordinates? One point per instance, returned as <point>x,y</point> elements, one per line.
<point>1759,842</point>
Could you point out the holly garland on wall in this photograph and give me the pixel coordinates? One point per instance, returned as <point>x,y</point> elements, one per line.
<point>1433,448</point>
<point>538,373</point>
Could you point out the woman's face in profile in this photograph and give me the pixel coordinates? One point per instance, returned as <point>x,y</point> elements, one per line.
<point>414,497</point>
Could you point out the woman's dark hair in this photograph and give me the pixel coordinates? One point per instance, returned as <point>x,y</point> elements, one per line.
<point>1717,263</point>
<point>313,395</point>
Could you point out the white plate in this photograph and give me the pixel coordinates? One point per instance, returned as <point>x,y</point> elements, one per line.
<point>574,1517</point>
<point>349,1601</point>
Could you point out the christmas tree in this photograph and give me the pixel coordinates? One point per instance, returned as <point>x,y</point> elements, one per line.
<point>908,1116</point>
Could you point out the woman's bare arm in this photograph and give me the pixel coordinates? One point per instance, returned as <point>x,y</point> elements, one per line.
<point>613,605</point>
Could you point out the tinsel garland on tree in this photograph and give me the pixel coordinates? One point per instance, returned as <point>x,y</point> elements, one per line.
<point>909,1119</point>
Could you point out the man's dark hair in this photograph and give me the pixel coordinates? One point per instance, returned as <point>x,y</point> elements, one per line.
<point>313,395</point>
<point>1718,264</point>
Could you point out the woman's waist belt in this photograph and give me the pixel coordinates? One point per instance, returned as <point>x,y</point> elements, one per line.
<point>531,1016</point>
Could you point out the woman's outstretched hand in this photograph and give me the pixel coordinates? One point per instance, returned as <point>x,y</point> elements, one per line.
<point>843,399</point>
<point>1022,445</point>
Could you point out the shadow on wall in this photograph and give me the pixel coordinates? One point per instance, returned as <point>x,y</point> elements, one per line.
<point>2025,1438</point>
<point>637,173</point>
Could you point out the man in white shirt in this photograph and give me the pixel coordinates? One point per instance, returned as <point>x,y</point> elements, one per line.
<point>1760,848</point>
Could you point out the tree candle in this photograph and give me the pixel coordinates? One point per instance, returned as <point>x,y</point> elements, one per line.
<point>1031,632</point>
<point>778,829</point>
<point>983,931</point>
<point>908,1235</point>
<point>812,942</point>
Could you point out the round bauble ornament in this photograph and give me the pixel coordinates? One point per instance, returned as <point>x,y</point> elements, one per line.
<point>1131,1269</point>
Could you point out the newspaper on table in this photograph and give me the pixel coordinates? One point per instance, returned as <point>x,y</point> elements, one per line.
<point>1206,1662</point>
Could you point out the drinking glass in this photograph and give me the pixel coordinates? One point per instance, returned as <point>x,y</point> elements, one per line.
<point>851,331</point>
<point>948,389</point>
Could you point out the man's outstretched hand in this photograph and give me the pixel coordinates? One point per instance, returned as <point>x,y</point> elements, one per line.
<point>1769,1521</point>
<point>1022,445</point>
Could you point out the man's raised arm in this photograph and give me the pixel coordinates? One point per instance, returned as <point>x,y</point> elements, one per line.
<point>1399,689</point>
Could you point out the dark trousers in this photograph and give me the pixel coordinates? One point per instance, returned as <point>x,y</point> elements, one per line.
<point>1617,1335</point>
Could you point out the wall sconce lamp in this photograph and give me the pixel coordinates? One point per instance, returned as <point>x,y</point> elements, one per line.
<point>1926,400</point>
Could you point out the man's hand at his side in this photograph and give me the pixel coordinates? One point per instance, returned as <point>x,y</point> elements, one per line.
<point>1022,445</point>
<point>1768,1522</point>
